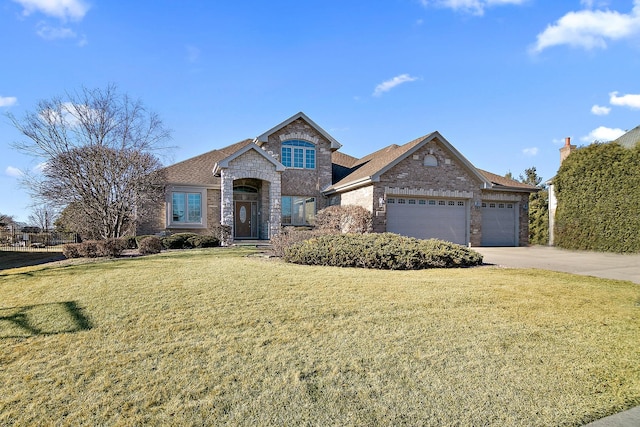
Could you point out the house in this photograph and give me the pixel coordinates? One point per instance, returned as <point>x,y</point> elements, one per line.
<point>424,188</point>
<point>628,140</point>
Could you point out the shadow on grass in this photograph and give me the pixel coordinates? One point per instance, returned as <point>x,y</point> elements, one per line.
<point>9,259</point>
<point>42,319</point>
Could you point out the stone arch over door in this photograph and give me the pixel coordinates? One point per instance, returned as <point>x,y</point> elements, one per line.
<point>252,167</point>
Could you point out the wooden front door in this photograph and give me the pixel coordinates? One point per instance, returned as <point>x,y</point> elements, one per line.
<point>243,220</point>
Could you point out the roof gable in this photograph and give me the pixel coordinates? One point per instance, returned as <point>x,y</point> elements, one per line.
<point>261,139</point>
<point>371,167</point>
<point>224,163</point>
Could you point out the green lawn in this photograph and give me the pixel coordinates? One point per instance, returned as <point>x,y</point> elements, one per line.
<point>217,337</point>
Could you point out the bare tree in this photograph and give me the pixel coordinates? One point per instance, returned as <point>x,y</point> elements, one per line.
<point>6,220</point>
<point>43,216</point>
<point>99,151</point>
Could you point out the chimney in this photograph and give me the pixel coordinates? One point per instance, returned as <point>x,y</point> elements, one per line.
<point>567,149</point>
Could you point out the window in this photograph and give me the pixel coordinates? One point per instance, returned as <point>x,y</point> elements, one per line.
<point>430,160</point>
<point>186,208</point>
<point>391,201</point>
<point>412,201</point>
<point>298,154</point>
<point>297,210</point>
<point>422,202</point>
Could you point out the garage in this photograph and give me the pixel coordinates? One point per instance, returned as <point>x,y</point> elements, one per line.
<point>425,218</point>
<point>499,221</point>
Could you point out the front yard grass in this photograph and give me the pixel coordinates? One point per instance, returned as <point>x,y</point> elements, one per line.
<point>212,336</point>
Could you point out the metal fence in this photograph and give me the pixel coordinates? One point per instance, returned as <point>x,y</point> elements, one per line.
<point>13,240</point>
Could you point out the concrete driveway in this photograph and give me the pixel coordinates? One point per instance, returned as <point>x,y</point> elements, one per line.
<point>605,265</point>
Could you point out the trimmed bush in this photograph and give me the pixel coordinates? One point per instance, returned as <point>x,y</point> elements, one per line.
<point>199,241</point>
<point>344,219</point>
<point>88,249</point>
<point>71,250</point>
<point>150,245</point>
<point>381,251</point>
<point>129,242</point>
<point>288,237</point>
<point>189,241</point>
<point>141,238</point>
<point>110,247</point>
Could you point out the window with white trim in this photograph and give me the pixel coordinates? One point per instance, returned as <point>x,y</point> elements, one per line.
<point>298,154</point>
<point>298,210</point>
<point>186,207</point>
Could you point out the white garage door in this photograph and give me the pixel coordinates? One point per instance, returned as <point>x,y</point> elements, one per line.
<point>428,218</point>
<point>499,224</point>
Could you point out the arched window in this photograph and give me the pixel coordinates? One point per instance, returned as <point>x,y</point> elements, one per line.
<point>430,160</point>
<point>298,154</point>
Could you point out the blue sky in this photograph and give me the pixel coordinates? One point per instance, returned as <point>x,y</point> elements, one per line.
<point>505,81</point>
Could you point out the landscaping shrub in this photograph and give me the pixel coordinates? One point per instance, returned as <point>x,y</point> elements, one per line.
<point>598,199</point>
<point>199,241</point>
<point>71,250</point>
<point>129,242</point>
<point>141,238</point>
<point>289,236</point>
<point>382,251</point>
<point>88,249</point>
<point>150,245</point>
<point>189,241</point>
<point>110,247</point>
<point>344,219</point>
<point>178,241</point>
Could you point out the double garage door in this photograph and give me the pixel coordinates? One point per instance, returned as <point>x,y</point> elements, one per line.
<point>428,218</point>
<point>447,219</point>
<point>499,224</point>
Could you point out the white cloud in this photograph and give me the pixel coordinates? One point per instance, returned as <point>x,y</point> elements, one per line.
<point>589,29</point>
<point>8,101</point>
<point>475,7</point>
<point>54,33</point>
<point>603,134</point>
<point>530,152</point>
<point>12,171</point>
<point>391,83</point>
<point>63,9</point>
<point>631,101</point>
<point>600,111</point>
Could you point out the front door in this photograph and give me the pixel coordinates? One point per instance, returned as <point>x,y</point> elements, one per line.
<point>243,220</point>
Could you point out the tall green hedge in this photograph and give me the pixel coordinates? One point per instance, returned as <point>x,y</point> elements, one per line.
<point>598,191</point>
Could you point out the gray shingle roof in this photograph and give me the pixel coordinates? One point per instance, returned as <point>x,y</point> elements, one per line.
<point>199,170</point>
<point>630,139</point>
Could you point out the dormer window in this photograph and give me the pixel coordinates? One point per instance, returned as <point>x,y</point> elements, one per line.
<point>298,154</point>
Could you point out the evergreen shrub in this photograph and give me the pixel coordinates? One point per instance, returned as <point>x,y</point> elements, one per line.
<point>381,251</point>
<point>598,192</point>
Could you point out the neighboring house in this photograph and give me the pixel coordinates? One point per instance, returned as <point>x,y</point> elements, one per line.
<point>424,188</point>
<point>628,140</point>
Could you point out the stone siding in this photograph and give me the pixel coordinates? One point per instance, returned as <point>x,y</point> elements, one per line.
<point>303,182</point>
<point>252,165</point>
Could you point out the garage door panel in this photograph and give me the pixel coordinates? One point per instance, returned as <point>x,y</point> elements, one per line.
<point>426,219</point>
<point>499,224</point>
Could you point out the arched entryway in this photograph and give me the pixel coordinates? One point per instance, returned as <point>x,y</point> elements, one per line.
<point>247,208</point>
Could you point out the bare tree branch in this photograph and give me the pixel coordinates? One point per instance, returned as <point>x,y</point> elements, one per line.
<point>100,149</point>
